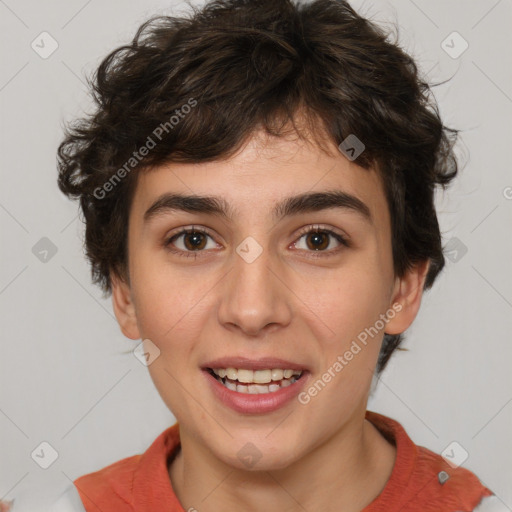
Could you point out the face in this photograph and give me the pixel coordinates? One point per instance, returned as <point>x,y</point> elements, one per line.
<point>235,290</point>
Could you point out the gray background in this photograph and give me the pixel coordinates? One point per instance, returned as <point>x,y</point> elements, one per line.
<point>64,377</point>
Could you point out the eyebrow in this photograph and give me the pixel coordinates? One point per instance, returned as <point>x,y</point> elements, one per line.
<point>294,205</point>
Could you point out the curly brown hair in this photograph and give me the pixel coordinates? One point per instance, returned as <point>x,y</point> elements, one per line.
<point>242,65</point>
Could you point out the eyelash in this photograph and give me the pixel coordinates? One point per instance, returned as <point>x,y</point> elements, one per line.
<point>310,229</point>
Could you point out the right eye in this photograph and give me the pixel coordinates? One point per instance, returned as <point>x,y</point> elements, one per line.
<point>189,240</point>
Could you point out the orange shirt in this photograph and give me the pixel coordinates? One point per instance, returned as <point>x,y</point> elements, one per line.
<point>141,483</point>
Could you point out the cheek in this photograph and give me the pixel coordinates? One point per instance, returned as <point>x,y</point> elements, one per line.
<point>348,301</point>
<point>170,303</point>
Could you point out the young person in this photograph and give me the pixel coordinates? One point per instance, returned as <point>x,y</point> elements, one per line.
<point>258,184</point>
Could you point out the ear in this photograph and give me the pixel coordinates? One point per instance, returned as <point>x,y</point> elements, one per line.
<point>124,308</point>
<point>407,294</point>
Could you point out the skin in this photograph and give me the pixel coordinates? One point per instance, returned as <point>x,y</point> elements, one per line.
<point>287,304</point>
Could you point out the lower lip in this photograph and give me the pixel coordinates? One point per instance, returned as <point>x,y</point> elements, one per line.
<point>255,404</point>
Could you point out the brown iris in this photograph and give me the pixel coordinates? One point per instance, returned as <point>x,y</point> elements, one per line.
<point>194,240</point>
<point>320,240</point>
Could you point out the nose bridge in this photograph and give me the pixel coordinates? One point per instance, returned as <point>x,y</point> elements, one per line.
<point>253,297</point>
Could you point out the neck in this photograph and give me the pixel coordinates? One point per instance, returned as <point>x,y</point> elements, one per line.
<point>347,472</point>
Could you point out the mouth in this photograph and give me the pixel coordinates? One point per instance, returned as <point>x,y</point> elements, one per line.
<point>255,386</point>
<point>255,382</point>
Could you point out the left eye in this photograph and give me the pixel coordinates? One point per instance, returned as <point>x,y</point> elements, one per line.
<point>320,240</point>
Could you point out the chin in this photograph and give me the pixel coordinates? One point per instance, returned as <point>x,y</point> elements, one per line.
<point>257,456</point>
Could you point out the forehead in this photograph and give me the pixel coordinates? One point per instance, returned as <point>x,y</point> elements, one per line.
<point>256,179</point>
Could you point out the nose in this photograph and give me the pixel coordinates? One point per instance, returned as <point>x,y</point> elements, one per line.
<point>254,298</point>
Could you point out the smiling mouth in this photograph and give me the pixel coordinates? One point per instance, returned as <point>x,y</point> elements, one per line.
<point>257,381</point>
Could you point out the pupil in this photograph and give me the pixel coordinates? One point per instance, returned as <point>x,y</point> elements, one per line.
<point>317,239</point>
<point>194,240</point>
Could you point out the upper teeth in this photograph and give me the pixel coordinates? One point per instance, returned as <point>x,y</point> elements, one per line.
<point>255,376</point>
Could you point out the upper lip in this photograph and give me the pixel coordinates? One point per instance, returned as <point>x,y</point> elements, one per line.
<point>263,363</point>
